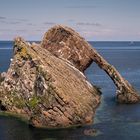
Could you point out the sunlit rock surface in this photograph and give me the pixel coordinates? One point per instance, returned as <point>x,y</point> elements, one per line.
<point>46,90</point>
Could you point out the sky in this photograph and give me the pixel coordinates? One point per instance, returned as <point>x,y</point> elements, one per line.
<point>95,20</point>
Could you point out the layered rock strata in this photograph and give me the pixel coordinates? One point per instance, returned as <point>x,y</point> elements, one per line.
<point>66,44</point>
<point>46,90</point>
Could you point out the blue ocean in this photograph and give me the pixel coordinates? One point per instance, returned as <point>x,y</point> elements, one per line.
<point>112,122</point>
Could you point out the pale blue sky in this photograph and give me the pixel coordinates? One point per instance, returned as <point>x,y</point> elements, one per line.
<point>93,19</point>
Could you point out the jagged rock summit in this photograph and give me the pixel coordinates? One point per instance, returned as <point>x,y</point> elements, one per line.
<point>45,82</point>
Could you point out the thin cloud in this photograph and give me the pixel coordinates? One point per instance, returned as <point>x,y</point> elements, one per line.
<point>88,24</point>
<point>97,33</point>
<point>5,30</point>
<point>30,24</point>
<point>39,30</point>
<point>9,21</point>
<point>14,22</point>
<point>18,19</point>
<point>49,23</point>
<point>21,30</point>
<point>70,20</point>
<point>82,6</point>
<point>2,17</point>
<point>22,20</point>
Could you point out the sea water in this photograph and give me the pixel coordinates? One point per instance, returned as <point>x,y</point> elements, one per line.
<point>112,121</point>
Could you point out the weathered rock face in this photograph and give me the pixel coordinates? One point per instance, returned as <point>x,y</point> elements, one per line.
<point>45,82</point>
<point>65,43</point>
<point>46,90</point>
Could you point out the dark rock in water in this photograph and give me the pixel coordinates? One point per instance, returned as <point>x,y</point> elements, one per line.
<point>92,132</point>
<point>48,91</point>
<point>2,76</point>
<point>66,44</point>
<point>2,107</point>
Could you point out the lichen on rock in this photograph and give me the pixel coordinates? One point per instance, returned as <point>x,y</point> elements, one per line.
<point>46,90</point>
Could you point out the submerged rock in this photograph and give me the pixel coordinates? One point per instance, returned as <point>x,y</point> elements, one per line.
<point>92,132</point>
<point>46,90</point>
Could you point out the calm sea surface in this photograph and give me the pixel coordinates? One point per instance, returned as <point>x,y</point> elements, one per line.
<point>112,122</point>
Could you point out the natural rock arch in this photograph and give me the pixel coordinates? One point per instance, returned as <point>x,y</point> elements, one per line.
<point>65,43</point>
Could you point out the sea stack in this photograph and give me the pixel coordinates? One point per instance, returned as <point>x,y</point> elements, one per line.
<point>46,90</point>
<point>45,82</point>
